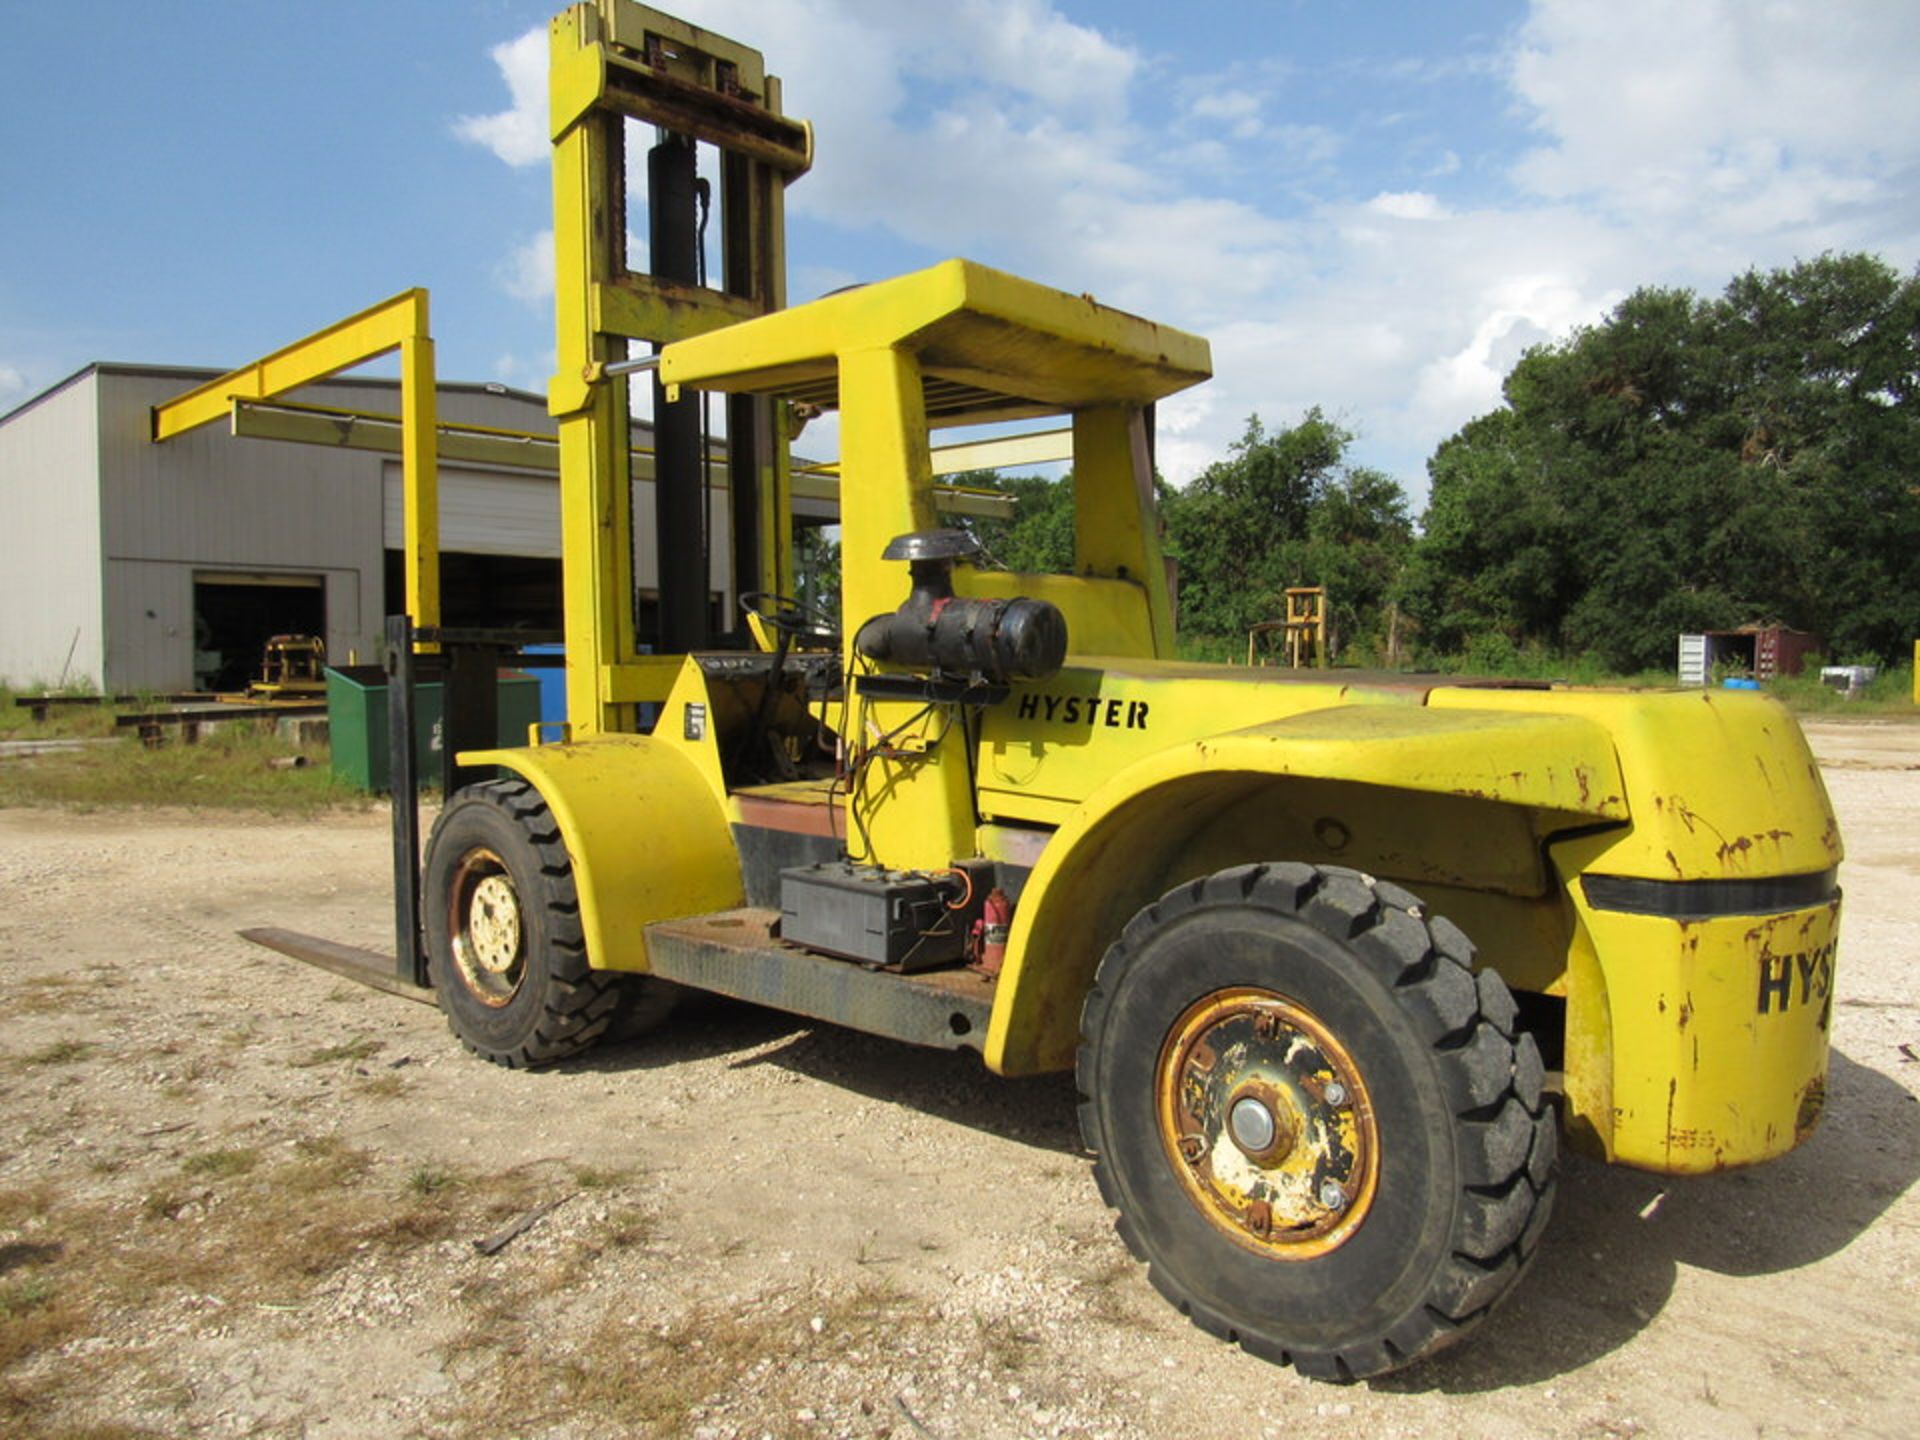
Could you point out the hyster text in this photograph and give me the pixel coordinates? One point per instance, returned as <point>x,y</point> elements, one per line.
<point>1088,710</point>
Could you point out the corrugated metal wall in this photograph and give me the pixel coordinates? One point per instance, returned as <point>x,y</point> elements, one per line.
<point>51,608</point>
<point>485,512</point>
<point>106,531</point>
<point>208,502</point>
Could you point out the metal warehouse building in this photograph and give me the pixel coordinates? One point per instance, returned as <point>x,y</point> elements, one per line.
<point>133,565</point>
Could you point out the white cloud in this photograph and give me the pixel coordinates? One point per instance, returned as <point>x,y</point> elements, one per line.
<point>527,272</point>
<point>13,384</point>
<point>1235,111</point>
<point>1669,145</point>
<point>525,372</point>
<point>1742,118</point>
<point>1407,205</point>
<point>518,134</point>
<point>810,282</point>
<point>1027,47</point>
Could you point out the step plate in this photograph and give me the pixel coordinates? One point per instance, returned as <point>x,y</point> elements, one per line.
<point>735,953</point>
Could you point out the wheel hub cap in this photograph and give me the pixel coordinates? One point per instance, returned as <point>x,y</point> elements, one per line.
<point>486,929</point>
<point>493,923</point>
<point>1254,1128</point>
<point>1266,1121</point>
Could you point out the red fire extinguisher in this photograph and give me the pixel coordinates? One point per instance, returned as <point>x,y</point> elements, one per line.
<point>989,937</point>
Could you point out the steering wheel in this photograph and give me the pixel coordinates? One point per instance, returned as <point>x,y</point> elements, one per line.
<point>801,621</point>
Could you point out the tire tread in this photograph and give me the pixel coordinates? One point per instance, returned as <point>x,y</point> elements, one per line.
<point>1491,1076</point>
<point>580,1005</point>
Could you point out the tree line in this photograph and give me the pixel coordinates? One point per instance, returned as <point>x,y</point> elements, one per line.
<point>1685,464</point>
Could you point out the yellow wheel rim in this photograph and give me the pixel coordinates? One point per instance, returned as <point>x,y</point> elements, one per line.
<point>1266,1120</point>
<point>484,921</point>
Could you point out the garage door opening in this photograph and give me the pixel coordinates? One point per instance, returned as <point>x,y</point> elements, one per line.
<point>487,592</point>
<point>234,615</point>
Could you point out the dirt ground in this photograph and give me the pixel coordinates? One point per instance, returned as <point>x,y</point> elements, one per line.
<point>239,1197</point>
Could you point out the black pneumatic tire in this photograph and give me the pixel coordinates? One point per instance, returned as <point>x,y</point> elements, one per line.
<point>1405,1097</point>
<point>505,952</point>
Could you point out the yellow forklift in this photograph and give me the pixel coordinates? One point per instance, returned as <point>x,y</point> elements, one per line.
<point>1337,960</point>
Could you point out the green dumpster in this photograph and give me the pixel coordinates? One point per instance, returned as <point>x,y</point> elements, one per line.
<point>357,722</point>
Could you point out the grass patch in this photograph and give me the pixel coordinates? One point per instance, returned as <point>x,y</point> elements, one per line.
<point>286,1221</point>
<point>23,1297</point>
<point>63,722</point>
<point>228,769</point>
<point>594,1177</point>
<point>431,1180</point>
<point>36,1314</point>
<point>48,995</point>
<point>764,1356</point>
<point>1497,658</point>
<point>627,1228</point>
<point>382,1087</point>
<point>362,1048</point>
<point>221,1164</point>
<point>1890,693</point>
<point>59,1052</point>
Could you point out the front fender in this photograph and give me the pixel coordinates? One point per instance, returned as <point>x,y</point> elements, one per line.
<point>1459,798</point>
<point>648,837</point>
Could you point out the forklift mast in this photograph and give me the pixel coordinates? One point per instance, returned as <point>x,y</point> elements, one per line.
<point>614,62</point>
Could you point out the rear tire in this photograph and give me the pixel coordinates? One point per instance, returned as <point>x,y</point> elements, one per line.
<point>505,951</point>
<point>1322,1130</point>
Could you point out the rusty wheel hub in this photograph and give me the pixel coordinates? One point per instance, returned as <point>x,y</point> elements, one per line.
<point>1266,1121</point>
<point>485,925</point>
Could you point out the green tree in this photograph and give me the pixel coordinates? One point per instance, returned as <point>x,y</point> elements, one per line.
<point>1692,464</point>
<point>1039,535</point>
<point>1285,509</point>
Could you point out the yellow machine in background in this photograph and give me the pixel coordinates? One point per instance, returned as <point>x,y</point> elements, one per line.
<point>1336,960</point>
<point>291,666</point>
<point>1302,634</point>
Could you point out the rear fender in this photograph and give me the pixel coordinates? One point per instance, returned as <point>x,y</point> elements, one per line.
<point>1457,800</point>
<point>646,831</point>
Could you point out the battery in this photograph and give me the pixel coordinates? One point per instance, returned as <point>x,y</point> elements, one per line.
<point>893,918</point>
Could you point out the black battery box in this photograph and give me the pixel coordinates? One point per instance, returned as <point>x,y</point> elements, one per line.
<point>894,918</point>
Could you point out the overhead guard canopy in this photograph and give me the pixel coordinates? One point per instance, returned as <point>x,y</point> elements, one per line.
<point>990,346</point>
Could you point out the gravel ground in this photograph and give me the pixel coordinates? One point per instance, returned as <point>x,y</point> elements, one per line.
<point>238,1197</point>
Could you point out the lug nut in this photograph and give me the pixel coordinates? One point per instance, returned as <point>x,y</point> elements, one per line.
<point>1335,1093</point>
<point>1332,1196</point>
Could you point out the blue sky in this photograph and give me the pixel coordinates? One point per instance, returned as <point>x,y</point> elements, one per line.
<point>1369,207</point>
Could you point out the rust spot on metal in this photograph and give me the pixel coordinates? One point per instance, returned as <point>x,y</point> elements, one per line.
<point>1685,1015</point>
<point>1830,838</point>
<point>1673,1090</point>
<point>1260,1218</point>
<point>1813,1101</point>
<point>1678,872</point>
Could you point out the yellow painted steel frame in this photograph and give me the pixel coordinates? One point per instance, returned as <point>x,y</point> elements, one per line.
<point>611,61</point>
<point>396,324</point>
<point>1394,789</point>
<point>961,343</point>
<point>1690,1044</point>
<point>1695,1045</point>
<point>611,795</point>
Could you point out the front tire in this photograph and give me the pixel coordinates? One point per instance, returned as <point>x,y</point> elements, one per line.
<point>505,952</point>
<point>1322,1131</point>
